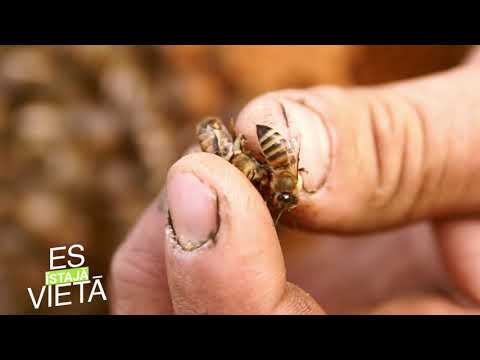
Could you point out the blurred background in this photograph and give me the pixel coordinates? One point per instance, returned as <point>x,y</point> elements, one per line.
<point>87,133</point>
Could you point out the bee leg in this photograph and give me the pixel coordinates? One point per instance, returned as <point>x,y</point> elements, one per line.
<point>250,174</point>
<point>279,215</point>
<point>243,141</point>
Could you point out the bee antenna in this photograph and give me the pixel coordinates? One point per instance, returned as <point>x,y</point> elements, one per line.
<point>279,216</point>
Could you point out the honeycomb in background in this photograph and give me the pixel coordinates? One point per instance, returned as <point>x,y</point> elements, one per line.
<point>87,133</point>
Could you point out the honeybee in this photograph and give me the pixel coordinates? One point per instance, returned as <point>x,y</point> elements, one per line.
<point>277,177</point>
<point>215,138</point>
<point>285,179</point>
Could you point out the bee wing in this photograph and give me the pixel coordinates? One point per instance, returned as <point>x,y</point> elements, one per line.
<point>294,154</point>
<point>278,152</point>
<point>214,137</point>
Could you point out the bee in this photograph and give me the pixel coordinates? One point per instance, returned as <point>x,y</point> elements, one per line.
<point>285,179</point>
<point>277,177</point>
<point>215,138</point>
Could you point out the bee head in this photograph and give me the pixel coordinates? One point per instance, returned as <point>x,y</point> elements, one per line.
<point>284,200</point>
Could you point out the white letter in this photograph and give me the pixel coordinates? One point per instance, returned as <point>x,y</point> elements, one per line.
<point>52,258</point>
<point>83,275</point>
<point>36,305</point>
<point>67,278</point>
<point>72,254</point>
<point>81,289</point>
<point>50,287</point>
<point>52,278</point>
<point>58,294</point>
<point>99,284</point>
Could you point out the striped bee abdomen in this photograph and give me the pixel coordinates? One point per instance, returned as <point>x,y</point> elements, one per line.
<point>274,147</point>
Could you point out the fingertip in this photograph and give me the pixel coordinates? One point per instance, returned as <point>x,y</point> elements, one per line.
<point>223,254</point>
<point>299,116</point>
<point>231,184</point>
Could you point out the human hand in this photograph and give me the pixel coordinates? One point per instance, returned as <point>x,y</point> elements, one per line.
<point>376,158</point>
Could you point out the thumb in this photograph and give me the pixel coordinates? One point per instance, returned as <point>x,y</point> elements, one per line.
<point>222,253</point>
<point>380,156</point>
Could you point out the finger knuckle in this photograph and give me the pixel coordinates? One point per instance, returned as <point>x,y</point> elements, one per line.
<point>400,174</point>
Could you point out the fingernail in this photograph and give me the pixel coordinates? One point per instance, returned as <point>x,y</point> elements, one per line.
<point>311,135</point>
<point>193,211</point>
